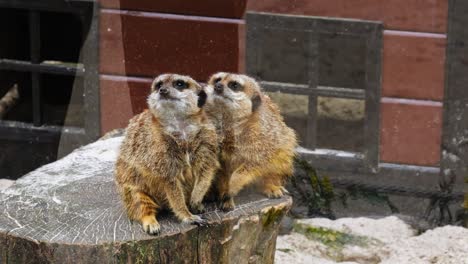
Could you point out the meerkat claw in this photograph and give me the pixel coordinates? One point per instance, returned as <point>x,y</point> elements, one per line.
<point>151,227</point>
<point>196,220</point>
<point>227,203</point>
<point>284,190</point>
<point>197,209</point>
<point>275,192</point>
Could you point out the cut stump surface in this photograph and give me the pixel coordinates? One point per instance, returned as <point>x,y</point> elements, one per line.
<point>69,212</point>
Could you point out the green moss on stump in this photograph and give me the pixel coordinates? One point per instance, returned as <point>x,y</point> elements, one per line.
<point>272,215</point>
<point>332,238</point>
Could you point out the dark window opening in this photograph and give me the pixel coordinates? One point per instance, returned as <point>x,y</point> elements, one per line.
<point>14,32</point>
<point>62,36</point>
<point>342,61</point>
<point>286,52</point>
<point>62,100</point>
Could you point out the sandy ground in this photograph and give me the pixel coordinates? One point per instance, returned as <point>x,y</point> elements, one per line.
<point>362,240</point>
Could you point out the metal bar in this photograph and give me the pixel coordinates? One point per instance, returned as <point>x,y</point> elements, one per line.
<point>50,5</point>
<point>35,49</point>
<point>312,75</point>
<point>304,89</point>
<point>285,87</point>
<point>19,131</point>
<point>312,23</point>
<point>372,88</point>
<point>44,67</point>
<point>341,92</point>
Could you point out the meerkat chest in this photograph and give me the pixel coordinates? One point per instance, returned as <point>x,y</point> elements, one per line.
<point>184,135</point>
<point>183,131</point>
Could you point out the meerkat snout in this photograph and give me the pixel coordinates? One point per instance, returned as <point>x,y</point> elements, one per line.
<point>164,91</point>
<point>218,88</point>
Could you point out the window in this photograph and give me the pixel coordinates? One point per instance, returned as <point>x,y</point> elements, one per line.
<point>325,76</point>
<point>40,55</point>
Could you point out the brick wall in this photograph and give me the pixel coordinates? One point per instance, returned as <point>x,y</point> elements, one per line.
<point>412,68</point>
<point>142,39</point>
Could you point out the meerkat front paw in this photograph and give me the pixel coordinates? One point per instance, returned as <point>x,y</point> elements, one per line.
<point>195,220</point>
<point>274,191</point>
<point>151,225</point>
<point>197,208</point>
<point>227,203</point>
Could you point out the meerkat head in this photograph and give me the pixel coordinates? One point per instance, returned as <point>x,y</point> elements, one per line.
<point>173,94</point>
<point>239,93</point>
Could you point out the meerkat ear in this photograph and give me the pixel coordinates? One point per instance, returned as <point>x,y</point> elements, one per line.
<point>256,101</point>
<point>201,98</point>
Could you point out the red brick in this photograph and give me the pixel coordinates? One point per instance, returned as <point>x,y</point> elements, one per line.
<point>413,65</point>
<point>148,44</point>
<point>410,131</point>
<point>411,15</point>
<point>212,8</point>
<point>121,99</point>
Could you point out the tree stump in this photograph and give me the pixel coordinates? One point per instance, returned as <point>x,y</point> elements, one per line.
<point>69,212</point>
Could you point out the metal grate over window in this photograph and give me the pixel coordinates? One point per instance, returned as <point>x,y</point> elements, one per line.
<point>49,53</point>
<point>325,75</point>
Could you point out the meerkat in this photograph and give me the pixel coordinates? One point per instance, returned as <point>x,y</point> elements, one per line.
<point>9,100</point>
<point>256,146</point>
<point>169,155</point>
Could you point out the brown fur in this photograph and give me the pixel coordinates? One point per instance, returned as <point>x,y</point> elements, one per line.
<point>168,157</point>
<point>9,100</point>
<point>256,145</point>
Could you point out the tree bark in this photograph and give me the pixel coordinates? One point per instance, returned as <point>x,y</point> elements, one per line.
<point>69,212</point>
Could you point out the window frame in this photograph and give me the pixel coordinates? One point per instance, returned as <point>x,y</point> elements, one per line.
<point>87,69</point>
<point>371,31</point>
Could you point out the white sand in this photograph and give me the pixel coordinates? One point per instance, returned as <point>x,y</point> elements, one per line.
<point>391,241</point>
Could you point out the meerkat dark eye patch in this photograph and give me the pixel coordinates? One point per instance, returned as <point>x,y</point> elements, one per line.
<point>179,84</point>
<point>235,86</point>
<point>158,85</point>
<point>201,98</point>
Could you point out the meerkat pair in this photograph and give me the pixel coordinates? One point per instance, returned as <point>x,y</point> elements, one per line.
<point>170,153</point>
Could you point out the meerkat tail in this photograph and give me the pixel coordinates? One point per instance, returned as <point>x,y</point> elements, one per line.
<point>9,100</point>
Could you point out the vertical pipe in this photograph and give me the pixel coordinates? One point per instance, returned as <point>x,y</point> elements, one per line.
<point>312,72</point>
<point>35,50</point>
